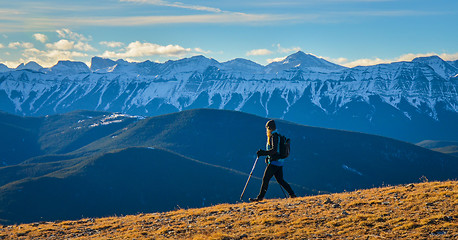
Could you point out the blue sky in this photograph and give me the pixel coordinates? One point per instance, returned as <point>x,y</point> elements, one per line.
<point>346,32</point>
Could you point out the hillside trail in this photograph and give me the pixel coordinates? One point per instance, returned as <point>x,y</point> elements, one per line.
<point>414,211</point>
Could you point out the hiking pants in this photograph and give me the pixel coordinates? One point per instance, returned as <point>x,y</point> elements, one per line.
<point>272,170</point>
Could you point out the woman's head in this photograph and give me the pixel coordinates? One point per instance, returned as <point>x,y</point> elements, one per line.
<point>270,125</point>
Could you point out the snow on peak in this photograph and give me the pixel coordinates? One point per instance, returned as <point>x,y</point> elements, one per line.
<point>241,61</point>
<point>113,118</point>
<point>303,61</point>
<point>70,67</point>
<point>242,65</point>
<point>441,67</point>
<point>30,66</point>
<point>453,63</point>
<point>196,63</point>
<point>433,58</point>
<point>4,68</point>
<point>135,68</point>
<point>99,64</point>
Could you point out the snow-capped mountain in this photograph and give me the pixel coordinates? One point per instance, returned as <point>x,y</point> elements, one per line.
<point>30,65</point>
<point>394,99</point>
<point>444,69</point>
<point>100,65</point>
<point>453,63</point>
<point>4,68</point>
<point>303,61</point>
<point>69,68</point>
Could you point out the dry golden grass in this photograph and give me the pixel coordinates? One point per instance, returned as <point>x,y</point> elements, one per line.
<point>413,211</point>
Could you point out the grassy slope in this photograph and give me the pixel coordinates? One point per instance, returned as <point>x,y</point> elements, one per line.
<point>452,150</point>
<point>426,210</point>
<point>447,147</point>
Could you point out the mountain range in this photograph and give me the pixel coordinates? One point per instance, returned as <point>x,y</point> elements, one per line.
<point>93,164</point>
<point>411,101</point>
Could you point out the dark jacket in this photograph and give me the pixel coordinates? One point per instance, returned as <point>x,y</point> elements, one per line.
<point>272,148</point>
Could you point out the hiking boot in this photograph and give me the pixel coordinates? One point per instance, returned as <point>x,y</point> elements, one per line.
<point>255,199</point>
<point>293,196</point>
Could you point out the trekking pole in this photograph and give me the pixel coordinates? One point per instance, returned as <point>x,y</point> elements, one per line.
<point>251,173</point>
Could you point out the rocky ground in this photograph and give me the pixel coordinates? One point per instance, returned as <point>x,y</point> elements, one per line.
<point>426,210</point>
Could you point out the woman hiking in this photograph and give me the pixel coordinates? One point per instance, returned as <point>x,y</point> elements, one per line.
<point>274,163</point>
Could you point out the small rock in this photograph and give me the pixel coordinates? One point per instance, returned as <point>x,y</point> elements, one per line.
<point>438,233</point>
<point>429,204</point>
<point>385,203</point>
<point>336,205</point>
<point>243,236</point>
<point>22,234</point>
<point>328,201</point>
<point>345,213</point>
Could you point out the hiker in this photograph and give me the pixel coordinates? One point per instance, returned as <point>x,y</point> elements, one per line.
<point>274,163</point>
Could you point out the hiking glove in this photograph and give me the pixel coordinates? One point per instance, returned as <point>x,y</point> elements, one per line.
<point>261,152</point>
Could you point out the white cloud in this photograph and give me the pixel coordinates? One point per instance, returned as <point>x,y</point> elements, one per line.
<point>65,44</point>
<point>405,57</point>
<point>62,44</point>
<point>339,61</point>
<point>24,21</point>
<point>112,44</point>
<point>1,45</point>
<point>287,50</point>
<point>271,60</point>
<point>258,52</point>
<point>50,57</point>
<point>66,33</point>
<point>444,56</point>
<point>138,49</point>
<point>200,50</point>
<point>281,49</point>
<point>176,5</point>
<point>71,47</point>
<point>366,62</point>
<point>61,55</point>
<point>40,37</point>
<point>15,45</point>
<point>84,47</point>
<point>224,17</point>
<point>13,64</point>
<point>27,45</point>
